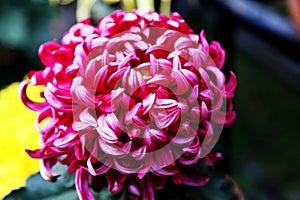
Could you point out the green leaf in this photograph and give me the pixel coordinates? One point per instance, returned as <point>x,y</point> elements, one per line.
<point>64,188</point>
<point>39,189</point>
<point>220,187</point>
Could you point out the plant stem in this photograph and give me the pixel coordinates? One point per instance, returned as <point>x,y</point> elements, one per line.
<point>165,7</point>
<point>128,5</point>
<point>83,10</point>
<point>147,5</point>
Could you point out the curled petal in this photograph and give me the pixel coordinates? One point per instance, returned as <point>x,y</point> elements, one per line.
<point>165,120</point>
<point>147,188</point>
<point>182,85</point>
<point>113,150</point>
<point>193,180</point>
<point>82,187</point>
<point>100,170</point>
<point>164,157</point>
<point>55,102</point>
<point>204,42</point>
<point>67,141</point>
<point>115,181</point>
<point>134,191</point>
<point>35,106</point>
<point>45,52</point>
<point>46,170</point>
<point>231,85</point>
<point>105,131</point>
<point>148,103</point>
<point>81,94</point>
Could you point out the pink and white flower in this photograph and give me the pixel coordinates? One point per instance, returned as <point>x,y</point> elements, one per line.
<point>136,100</point>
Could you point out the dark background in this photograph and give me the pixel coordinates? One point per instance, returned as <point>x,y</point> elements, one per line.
<point>262,148</point>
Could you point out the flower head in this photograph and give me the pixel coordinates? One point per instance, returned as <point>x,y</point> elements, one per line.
<point>137,99</point>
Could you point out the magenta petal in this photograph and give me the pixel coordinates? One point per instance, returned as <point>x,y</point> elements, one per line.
<point>105,132</point>
<point>130,17</point>
<point>164,157</point>
<point>182,85</point>
<point>122,168</point>
<point>100,78</point>
<point>35,106</point>
<point>45,52</point>
<point>111,149</point>
<point>38,77</point>
<point>148,103</point>
<point>194,37</point>
<point>66,141</point>
<point>230,116</point>
<point>55,102</point>
<point>81,94</point>
<point>134,190</point>
<point>114,124</point>
<point>40,154</point>
<point>183,43</point>
<point>46,170</point>
<point>190,76</point>
<point>116,77</point>
<point>61,93</point>
<point>140,122</point>
<point>132,112</point>
<point>218,76</point>
<point>212,158</point>
<point>145,167</point>
<point>132,81</point>
<point>86,121</point>
<point>164,121</point>
<point>163,172</point>
<point>115,181</point>
<point>193,179</point>
<point>166,103</point>
<point>154,67</point>
<point>43,115</point>
<point>101,170</point>
<point>204,42</point>
<point>82,187</point>
<point>147,189</point>
<point>98,42</point>
<point>231,85</point>
<point>159,182</point>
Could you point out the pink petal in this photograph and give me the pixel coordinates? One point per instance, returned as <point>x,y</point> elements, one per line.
<point>82,187</point>
<point>46,170</point>
<point>148,103</point>
<point>81,95</point>
<point>100,170</point>
<point>35,106</point>
<point>231,85</point>
<point>182,85</point>
<point>105,132</point>
<point>147,189</point>
<point>164,121</point>
<point>163,157</point>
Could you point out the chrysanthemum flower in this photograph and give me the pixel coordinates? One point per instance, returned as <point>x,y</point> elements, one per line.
<point>132,102</point>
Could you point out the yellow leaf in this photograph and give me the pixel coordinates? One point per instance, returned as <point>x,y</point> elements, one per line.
<point>17,133</point>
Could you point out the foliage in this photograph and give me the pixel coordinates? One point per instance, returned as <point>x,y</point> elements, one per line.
<point>220,187</point>
<point>15,137</point>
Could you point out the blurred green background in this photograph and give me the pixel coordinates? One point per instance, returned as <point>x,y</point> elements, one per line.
<point>261,149</point>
